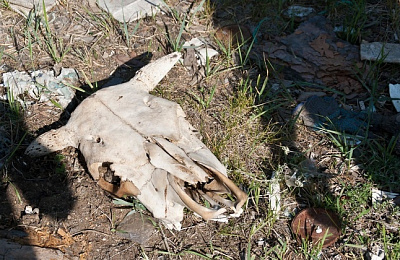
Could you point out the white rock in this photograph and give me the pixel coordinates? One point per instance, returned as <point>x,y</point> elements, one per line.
<point>23,7</point>
<point>389,52</point>
<point>28,210</point>
<point>130,10</point>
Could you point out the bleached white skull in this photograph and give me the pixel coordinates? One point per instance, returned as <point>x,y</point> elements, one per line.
<point>138,144</point>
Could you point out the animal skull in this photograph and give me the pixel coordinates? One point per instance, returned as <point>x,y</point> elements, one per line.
<point>141,145</point>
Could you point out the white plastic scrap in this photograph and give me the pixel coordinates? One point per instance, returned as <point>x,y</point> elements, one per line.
<point>293,180</point>
<point>41,85</point>
<point>377,253</point>
<point>202,50</point>
<point>29,210</point>
<point>394,91</point>
<point>275,194</point>
<point>378,196</point>
<point>124,132</point>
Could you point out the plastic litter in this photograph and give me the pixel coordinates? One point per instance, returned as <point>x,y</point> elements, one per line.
<point>378,196</point>
<point>324,112</point>
<point>41,86</point>
<point>202,50</point>
<point>394,91</point>
<point>274,194</point>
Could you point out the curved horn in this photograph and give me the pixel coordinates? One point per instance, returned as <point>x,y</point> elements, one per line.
<point>241,197</point>
<point>204,212</point>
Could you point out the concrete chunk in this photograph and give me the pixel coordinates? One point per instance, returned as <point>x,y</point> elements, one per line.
<point>390,52</point>
<point>130,10</point>
<point>23,7</point>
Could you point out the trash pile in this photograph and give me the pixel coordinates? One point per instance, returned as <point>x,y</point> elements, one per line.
<point>40,86</point>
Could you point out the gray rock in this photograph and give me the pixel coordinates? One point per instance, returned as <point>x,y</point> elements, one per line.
<point>299,13</point>
<point>389,52</point>
<point>130,10</point>
<point>136,227</point>
<point>23,7</point>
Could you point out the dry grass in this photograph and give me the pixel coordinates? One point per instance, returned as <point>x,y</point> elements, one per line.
<point>245,123</point>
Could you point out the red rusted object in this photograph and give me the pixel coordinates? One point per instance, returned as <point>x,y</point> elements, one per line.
<point>316,225</point>
<point>233,35</point>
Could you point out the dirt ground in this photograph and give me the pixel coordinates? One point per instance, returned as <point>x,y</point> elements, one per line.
<point>77,217</point>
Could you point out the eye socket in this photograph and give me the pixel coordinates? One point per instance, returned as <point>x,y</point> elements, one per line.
<point>99,140</point>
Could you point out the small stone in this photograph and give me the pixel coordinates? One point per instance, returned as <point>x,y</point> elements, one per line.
<point>299,13</point>
<point>318,230</point>
<point>136,227</point>
<point>28,210</point>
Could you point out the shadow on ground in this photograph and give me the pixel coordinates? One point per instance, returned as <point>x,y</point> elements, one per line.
<point>41,183</point>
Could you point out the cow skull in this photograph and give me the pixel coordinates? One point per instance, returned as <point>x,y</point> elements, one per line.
<point>141,145</point>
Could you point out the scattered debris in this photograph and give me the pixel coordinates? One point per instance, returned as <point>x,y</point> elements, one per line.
<point>145,143</point>
<point>316,225</point>
<point>203,51</point>
<point>293,180</point>
<point>23,7</point>
<point>131,10</point>
<point>378,196</point>
<point>394,91</point>
<point>387,52</point>
<point>313,53</point>
<point>375,253</point>
<point>275,194</point>
<point>298,13</point>
<point>29,210</point>
<point>41,86</point>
